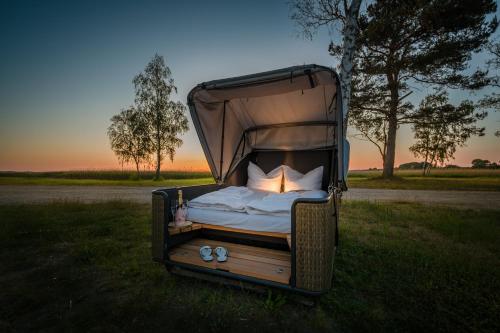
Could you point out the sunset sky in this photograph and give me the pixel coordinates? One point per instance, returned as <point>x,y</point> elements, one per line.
<point>66,69</point>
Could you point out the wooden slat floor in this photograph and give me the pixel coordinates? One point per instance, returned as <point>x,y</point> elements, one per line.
<point>257,262</point>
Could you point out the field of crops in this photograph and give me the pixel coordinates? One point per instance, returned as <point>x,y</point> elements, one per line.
<point>463,179</point>
<point>435,173</point>
<point>106,174</point>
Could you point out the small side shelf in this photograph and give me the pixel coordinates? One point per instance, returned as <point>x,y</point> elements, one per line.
<point>179,230</point>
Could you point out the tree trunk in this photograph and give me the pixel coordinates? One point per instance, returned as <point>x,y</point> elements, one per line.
<point>158,165</point>
<point>137,168</point>
<point>346,64</point>
<point>390,154</point>
<point>425,164</point>
<point>158,147</point>
<point>391,147</point>
<point>431,164</point>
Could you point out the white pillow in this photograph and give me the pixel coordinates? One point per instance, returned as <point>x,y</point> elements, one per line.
<point>296,181</point>
<point>258,180</point>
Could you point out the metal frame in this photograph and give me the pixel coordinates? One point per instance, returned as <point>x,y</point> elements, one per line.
<point>254,79</point>
<point>339,179</point>
<point>264,77</point>
<point>222,141</point>
<point>297,124</point>
<point>283,125</point>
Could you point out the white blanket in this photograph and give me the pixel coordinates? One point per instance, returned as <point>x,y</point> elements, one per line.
<point>236,220</point>
<point>244,200</point>
<point>280,204</point>
<point>232,198</point>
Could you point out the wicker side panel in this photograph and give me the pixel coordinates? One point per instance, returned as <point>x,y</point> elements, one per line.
<point>158,228</point>
<point>314,245</point>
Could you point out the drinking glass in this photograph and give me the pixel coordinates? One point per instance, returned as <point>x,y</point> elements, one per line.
<point>187,210</point>
<point>173,208</point>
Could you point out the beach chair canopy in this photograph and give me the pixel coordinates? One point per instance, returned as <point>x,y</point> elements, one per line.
<point>295,108</point>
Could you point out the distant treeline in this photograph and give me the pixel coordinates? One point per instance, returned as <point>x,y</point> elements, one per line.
<point>476,164</point>
<point>107,175</point>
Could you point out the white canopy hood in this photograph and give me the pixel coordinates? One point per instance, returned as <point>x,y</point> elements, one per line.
<point>295,108</point>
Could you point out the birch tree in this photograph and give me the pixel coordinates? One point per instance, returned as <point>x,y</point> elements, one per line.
<point>401,44</point>
<point>342,15</point>
<point>130,138</point>
<point>442,127</point>
<point>167,119</point>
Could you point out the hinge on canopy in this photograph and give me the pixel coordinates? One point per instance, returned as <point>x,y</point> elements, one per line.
<point>309,75</point>
<point>337,191</point>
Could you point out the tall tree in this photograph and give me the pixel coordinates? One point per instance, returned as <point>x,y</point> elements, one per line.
<point>411,42</point>
<point>441,127</point>
<point>404,42</point>
<point>310,15</point>
<point>167,119</point>
<point>130,138</point>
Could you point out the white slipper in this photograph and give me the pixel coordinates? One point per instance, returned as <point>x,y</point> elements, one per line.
<point>206,253</point>
<point>222,253</point>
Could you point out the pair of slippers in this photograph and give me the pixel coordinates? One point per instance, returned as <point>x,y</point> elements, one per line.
<point>221,252</point>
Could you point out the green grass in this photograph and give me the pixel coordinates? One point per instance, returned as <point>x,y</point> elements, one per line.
<point>401,267</point>
<point>440,179</point>
<point>435,173</point>
<point>427,183</point>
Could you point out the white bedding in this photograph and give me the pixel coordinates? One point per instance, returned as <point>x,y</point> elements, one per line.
<point>232,198</point>
<point>244,200</point>
<point>280,204</point>
<point>243,208</point>
<point>237,220</point>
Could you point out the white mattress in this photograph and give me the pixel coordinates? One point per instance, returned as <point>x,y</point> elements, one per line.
<point>238,220</point>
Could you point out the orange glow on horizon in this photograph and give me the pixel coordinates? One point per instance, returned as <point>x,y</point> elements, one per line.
<point>42,154</point>
<point>62,160</point>
<point>362,157</point>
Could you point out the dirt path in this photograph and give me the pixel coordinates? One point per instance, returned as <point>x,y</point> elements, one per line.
<point>42,194</point>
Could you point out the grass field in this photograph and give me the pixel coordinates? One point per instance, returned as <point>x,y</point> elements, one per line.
<point>440,179</point>
<point>427,183</point>
<point>105,178</point>
<point>435,173</point>
<point>401,267</point>
<point>104,182</point>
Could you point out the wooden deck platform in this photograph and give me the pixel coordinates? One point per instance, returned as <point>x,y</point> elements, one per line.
<point>257,262</point>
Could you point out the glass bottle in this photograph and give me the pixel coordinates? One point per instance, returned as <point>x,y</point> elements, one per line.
<point>180,215</point>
